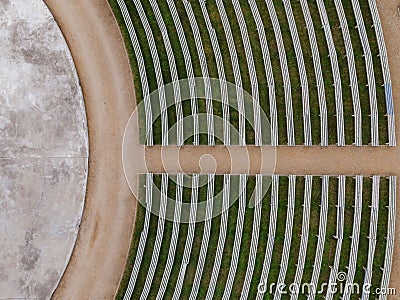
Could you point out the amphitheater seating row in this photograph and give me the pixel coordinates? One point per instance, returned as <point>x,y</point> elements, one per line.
<point>390,236</point>
<point>386,73</point>
<point>339,235</point>
<point>305,196</point>
<point>352,72</point>
<point>255,85</point>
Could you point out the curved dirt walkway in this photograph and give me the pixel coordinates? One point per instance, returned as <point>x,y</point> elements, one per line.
<point>104,238</point>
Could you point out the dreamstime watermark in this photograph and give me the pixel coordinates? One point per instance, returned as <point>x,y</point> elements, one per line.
<point>243,120</point>
<point>340,286</point>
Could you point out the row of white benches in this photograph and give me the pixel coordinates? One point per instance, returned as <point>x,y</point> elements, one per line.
<point>254,238</point>
<point>321,237</point>
<point>253,77</point>
<point>174,238</point>
<point>204,70</point>
<point>336,73</point>
<point>372,234</point>
<point>304,236</point>
<point>271,234</point>
<point>288,235</point>
<point>157,69</point>
<point>221,75</point>
<point>142,70</point>
<point>268,71</point>
<point>302,71</point>
<point>238,239</point>
<point>387,268</point>
<point>370,73</point>
<point>205,239</point>
<point>355,237</point>
<point>159,238</point>
<point>142,240</point>
<point>285,72</point>
<point>318,72</point>
<point>235,66</point>
<point>352,72</point>
<point>252,71</point>
<point>385,69</point>
<point>189,238</point>
<point>221,238</point>
<point>341,205</point>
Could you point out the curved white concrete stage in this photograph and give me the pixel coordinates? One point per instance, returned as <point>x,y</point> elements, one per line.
<point>43,151</point>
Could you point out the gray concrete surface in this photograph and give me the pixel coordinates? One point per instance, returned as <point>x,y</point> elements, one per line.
<point>43,151</point>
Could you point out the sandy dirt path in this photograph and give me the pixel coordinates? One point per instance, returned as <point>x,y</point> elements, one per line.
<point>289,160</point>
<point>99,256</point>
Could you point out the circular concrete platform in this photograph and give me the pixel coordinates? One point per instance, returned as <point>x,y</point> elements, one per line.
<point>43,151</point>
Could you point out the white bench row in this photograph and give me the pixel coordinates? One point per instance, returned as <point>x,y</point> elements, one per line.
<point>142,240</point>
<point>252,73</point>
<point>385,70</point>
<point>189,69</point>
<point>355,238</point>
<point>336,73</point>
<point>285,72</point>
<point>271,234</point>
<point>372,234</point>
<point>387,268</point>
<point>304,236</point>
<point>236,72</point>
<point>238,238</point>
<point>370,73</point>
<point>268,71</point>
<point>159,238</point>
<point>173,71</point>
<point>174,238</point>
<point>221,238</point>
<point>157,68</point>
<point>205,239</point>
<point>142,71</point>
<point>321,237</point>
<point>204,70</point>
<point>352,72</point>
<point>302,71</point>
<point>221,74</point>
<point>318,72</point>
<point>288,235</point>
<point>189,238</point>
<point>341,206</point>
<point>254,238</point>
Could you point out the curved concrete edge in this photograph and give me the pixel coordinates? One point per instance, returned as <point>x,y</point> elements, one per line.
<point>99,257</point>
<point>79,223</point>
<point>78,83</point>
<point>43,153</point>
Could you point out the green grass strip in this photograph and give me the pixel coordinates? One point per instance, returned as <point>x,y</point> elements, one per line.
<point>327,72</point>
